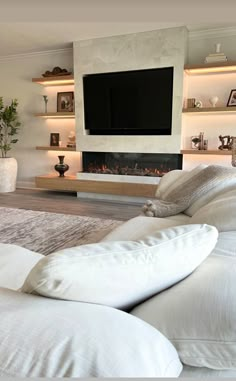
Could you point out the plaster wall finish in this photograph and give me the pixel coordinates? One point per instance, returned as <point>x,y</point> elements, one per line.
<point>16,82</point>
<point>160,48</point>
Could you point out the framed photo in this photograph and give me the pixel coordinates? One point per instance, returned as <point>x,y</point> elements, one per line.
<point>232,98</point>
<point>54,139</point>
<point>65,101</point>
<point>195,140</point>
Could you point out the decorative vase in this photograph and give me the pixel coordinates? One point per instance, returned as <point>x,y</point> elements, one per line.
<point>8,173</point>
<point>61,167</point>
<point>213,100</point>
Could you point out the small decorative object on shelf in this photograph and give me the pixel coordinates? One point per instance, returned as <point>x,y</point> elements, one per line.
<point>71,140</point>
<point>65,101</point>
<point>54,139</point>
<point>205,144</point>
<point>233,151</point>
<point>191,102</point>
<point>61,167</point>
<point>198,104</point>
<point>201,144</point>
<point>56,71</point>
<point>217,56</point>
<point>226,142</point>
<point>232,98</point>
<point>198,142</point>
<point>45,98</point>
<point>195,140</point>
<point>213,100</point>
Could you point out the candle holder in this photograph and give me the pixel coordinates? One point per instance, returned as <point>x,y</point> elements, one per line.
<point>45,98</point>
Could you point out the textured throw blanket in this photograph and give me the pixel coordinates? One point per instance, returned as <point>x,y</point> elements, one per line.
<point>184,195</point>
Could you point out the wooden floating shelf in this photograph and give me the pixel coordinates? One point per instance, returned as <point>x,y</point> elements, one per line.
<point>55,148</point>
<point>211,68</point>
<point>71,183</point>
<point>209,110</point>
<point>60,80</point>
<point>205,152</point>
<point>55,115</point>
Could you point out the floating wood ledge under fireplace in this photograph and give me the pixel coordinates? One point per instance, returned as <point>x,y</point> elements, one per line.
<point>71,183</point>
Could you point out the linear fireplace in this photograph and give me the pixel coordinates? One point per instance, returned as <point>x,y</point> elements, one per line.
<point>131,164</point>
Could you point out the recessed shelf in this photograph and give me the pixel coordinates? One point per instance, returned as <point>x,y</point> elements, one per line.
<point>55,148</point>
<point>205,152</point>
<point>60,80</point>
<point>209,110</point>
<point>55,115</point>
<point>211,68</point>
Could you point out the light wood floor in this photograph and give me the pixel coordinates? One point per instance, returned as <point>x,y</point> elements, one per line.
<point>67,203</point>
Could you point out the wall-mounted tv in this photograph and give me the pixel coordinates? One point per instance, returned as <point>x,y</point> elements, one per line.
<point>135,102</point>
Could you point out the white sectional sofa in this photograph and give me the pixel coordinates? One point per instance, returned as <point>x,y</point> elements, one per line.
<point>197,315</point>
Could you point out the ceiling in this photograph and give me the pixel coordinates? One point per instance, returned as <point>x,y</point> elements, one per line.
<point>28,26</point>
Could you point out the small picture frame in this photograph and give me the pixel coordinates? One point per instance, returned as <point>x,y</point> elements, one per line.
<point>195,140</point>
<point>54,139</point>
<point>232,98</point>
<point>65,101</point>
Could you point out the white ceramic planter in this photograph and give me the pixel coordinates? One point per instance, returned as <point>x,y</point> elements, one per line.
<point>8,173</point>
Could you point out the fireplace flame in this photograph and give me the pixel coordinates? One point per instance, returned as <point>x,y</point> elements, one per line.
<point>126,170</point>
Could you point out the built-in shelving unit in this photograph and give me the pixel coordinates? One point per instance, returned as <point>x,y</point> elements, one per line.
<point>53,181</point>
<point>201,70</point>
<point>205,152</point>
<point>55,115</point>
<point>55,148</point>
<point>59,80</point>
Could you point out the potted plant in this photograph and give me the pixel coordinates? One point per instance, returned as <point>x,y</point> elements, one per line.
<point>9,126</point>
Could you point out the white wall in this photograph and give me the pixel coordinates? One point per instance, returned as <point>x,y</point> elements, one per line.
<point>16,82</point>
<point>160,48</point>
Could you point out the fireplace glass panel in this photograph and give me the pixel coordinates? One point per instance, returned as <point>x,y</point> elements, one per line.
<point>131,164</point>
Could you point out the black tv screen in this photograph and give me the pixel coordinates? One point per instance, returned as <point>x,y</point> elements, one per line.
<point>129,103</point>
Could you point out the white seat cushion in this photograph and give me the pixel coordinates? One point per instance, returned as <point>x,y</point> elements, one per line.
<point>122,273</point>
<point>198,314</point>
<point>15,264</point>
<point>41,337</point>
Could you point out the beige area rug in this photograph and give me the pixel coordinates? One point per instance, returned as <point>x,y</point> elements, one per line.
<point>46,233</point>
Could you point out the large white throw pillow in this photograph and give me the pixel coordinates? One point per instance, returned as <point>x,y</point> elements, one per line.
<point>198,314</point>
<point>43,337</point>
<point>122,273</point>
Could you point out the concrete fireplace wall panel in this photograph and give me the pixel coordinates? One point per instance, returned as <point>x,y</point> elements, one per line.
<point>146,50</point>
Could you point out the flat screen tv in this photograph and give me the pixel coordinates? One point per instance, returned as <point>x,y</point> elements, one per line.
<point>129,103</point>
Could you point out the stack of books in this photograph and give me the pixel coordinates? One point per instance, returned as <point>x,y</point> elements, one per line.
<point>216,57</point>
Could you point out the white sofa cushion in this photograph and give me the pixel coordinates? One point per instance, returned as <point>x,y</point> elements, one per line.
<point>198,314</point>
<point>42,337</point>
<point>122,273</point>
<point>221,212</point>
<point>15,264</point>
<point>139,227</point>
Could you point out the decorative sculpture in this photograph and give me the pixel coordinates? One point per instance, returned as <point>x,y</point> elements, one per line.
<point>226,142</point>
<point>56,71</point>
